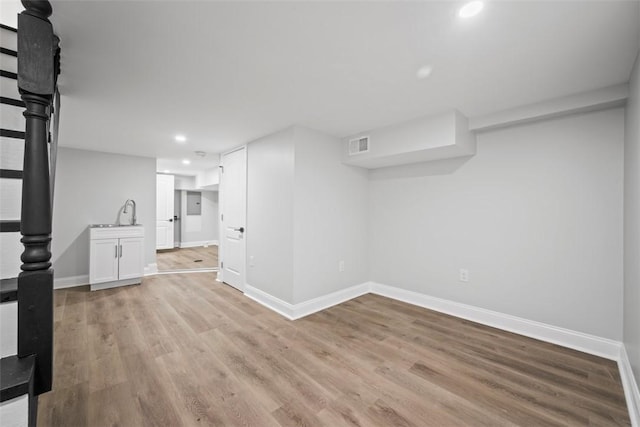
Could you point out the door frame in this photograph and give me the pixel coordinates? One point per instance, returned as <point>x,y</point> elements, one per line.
<point>220,277</point>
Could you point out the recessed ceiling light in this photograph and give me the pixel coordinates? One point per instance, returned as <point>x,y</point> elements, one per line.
<point>424,72</point>
<point>471,9</point>
<point>186,162</point>
<point>180,138</point>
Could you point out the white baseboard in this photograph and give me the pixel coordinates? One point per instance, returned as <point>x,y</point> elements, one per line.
<point>151,269</point>
<point>325,301</point>
<point>276,304</point>
<point>580,341</point>
<point>631,393</point>
<point>70,282</point>
<point>297,311</point>
<point>198,243</point>
<point>83,279</point>
<point>186,271</point>
<point>116,284</point>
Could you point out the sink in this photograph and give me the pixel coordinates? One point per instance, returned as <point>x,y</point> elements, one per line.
<point>113,225</point>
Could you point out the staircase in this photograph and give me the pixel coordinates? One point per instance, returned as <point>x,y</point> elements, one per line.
<point>16,375</point>
<point>26,280</point>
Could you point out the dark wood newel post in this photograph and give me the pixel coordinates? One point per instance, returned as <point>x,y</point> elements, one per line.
<point>35,225</point>
<point>35,282</point>
<point>36,81</point>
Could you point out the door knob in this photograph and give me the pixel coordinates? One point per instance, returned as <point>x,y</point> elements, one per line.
<point>241,229</point>
<point>170,219</point>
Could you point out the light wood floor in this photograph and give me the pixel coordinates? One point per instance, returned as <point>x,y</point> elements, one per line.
<point>187,258</point>
<point>185,350</point>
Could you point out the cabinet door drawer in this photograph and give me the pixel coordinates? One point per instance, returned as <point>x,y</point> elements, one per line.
<point>103,261</point>
<point>131,257</point>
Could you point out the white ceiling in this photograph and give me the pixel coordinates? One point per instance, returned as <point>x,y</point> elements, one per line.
<point>134,74</point>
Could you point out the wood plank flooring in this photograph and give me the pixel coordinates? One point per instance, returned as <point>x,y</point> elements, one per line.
<point>187,258</point>
<point>185,350</point>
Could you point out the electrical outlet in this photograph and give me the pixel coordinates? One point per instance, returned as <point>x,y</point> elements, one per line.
<point>464,275</point>
<point>341,266</point>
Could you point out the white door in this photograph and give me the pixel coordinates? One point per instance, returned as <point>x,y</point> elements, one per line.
<point>164,211</point>
<point>233,208</point>
<point>131,253</point>
<point>103,260</point>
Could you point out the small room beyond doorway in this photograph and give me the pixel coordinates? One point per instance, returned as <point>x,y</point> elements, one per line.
<point>195,225</point>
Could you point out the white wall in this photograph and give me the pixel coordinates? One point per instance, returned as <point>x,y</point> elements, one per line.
<point>15,412</point>
<point>208,179</point>
<point>632,224</point>
<point>306,211</point>
<point>183,182</point>
<point>91,188</point>
<point>8,328</point>
<point>203,227</point>
<point>10,251</point>
<point>9,12</point>
<point>535,216</point>
<point>330,217</point>
<point>270,174</point>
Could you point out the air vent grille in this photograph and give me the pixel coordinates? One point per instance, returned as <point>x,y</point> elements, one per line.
<point>359,145</point>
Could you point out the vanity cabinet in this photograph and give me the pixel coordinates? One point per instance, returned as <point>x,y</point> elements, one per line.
<point>116,256</point>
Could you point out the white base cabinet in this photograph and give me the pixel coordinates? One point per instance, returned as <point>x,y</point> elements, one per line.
<point>116,256</point>
<point>103,264</point>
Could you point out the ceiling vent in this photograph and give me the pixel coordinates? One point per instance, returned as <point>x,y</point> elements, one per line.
<point>359,145</point>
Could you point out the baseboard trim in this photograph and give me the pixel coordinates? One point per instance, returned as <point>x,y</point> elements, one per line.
<point>297,311</point>
<point>603,347</point>
<point>116,284</point>
<point>325,301</point>
<point>70,282</point>
<point>198,243</point>
<point>83,279</point>
<point>185,271</point>
<point>631,392</point>
<point>151,269</point>
<point>283,308</point>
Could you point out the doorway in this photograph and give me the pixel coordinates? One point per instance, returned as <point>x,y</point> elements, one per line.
<point>194,220</point>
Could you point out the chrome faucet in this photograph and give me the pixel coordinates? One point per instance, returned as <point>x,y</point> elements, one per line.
<point>133,212</point>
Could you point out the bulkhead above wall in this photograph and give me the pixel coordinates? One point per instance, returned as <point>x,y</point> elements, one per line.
<point>435,137</point>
